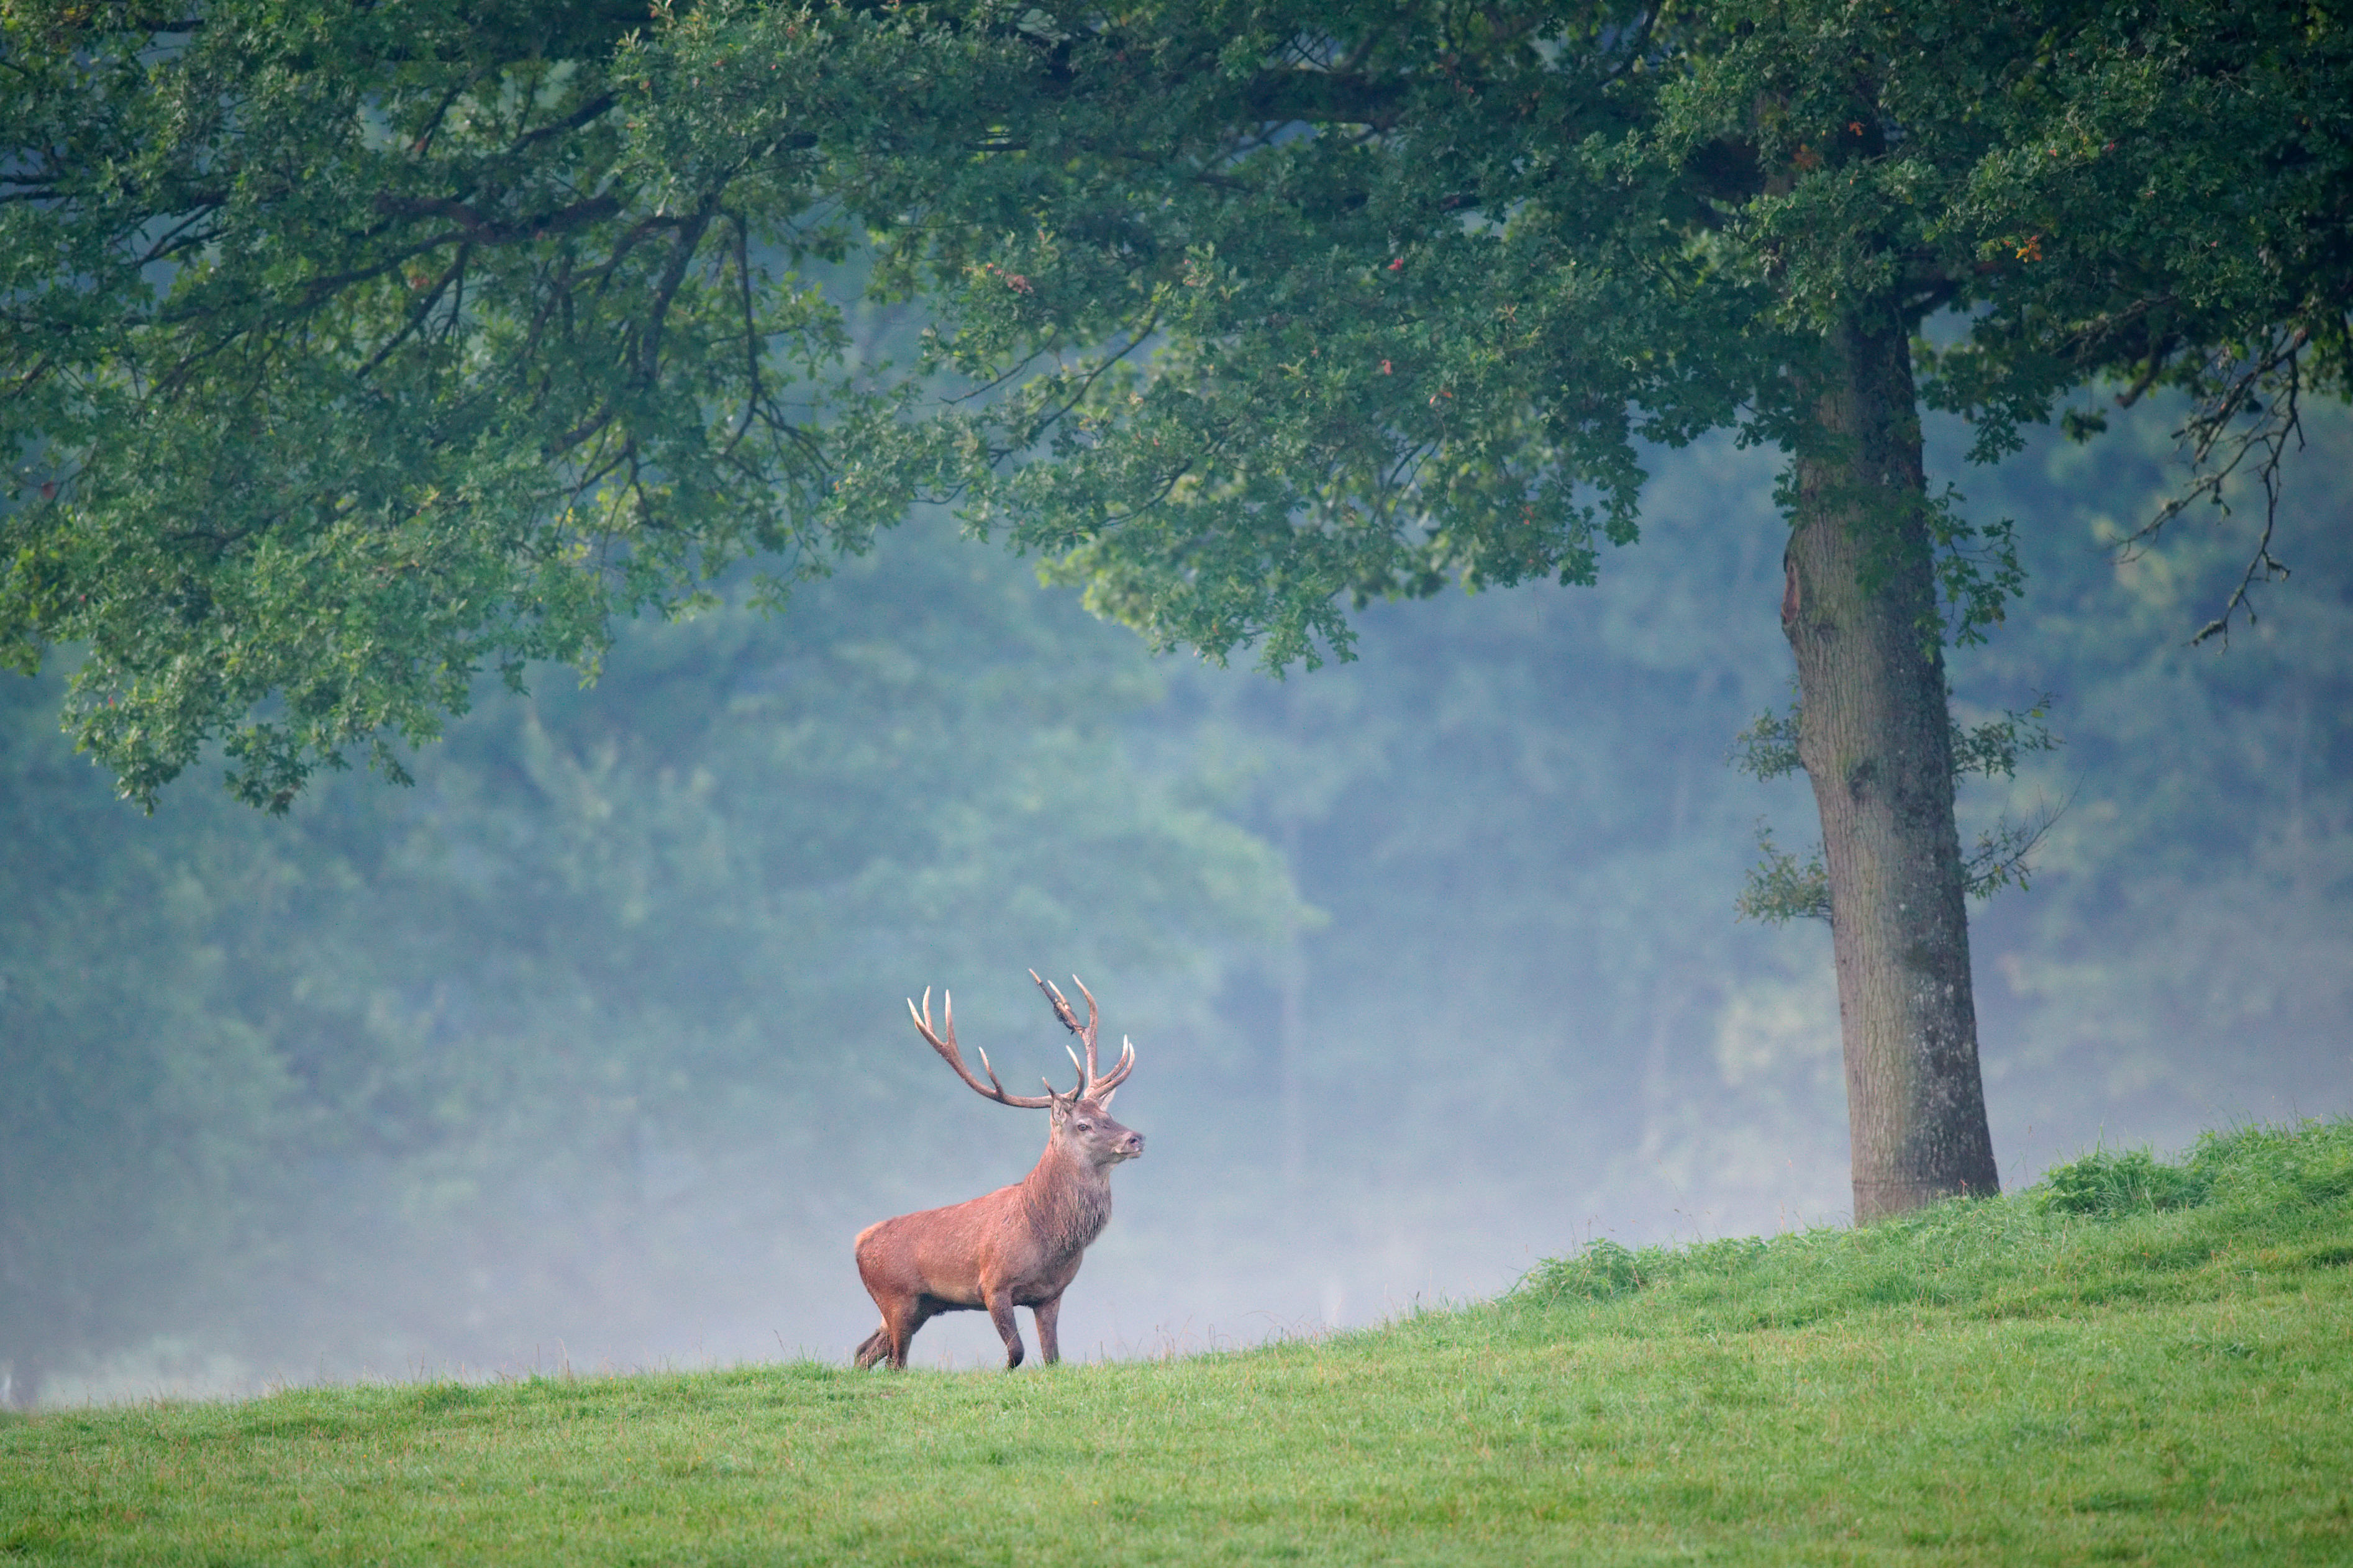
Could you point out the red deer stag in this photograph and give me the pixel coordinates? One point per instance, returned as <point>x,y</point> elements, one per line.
<point>1021,1246</point>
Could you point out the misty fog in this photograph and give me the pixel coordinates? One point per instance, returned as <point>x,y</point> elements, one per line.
<point>590,1049</point>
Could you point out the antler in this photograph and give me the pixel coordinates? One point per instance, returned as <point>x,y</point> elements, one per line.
<point>1099,1089</point>
<point>955,1058</point>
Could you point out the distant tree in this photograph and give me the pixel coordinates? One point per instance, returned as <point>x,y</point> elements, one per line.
<point>347,354</point>
<point>310,1081</point>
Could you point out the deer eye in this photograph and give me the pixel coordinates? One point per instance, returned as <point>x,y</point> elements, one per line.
<point>1086,1126</point>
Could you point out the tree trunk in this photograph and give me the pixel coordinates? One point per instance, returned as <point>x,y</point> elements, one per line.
<point>1876,738</point>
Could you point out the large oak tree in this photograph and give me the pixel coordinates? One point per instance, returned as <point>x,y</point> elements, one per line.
<point>349,349</point>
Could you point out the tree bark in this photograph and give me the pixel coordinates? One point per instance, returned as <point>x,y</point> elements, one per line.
<point>1859,607</point>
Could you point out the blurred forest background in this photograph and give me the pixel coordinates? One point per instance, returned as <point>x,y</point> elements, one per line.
<point>589,1049</point>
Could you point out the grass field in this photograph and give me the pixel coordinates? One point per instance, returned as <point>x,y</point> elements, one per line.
<point>2133,1362</point>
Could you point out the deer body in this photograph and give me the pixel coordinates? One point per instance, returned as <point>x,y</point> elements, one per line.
<point>1019,1246</point>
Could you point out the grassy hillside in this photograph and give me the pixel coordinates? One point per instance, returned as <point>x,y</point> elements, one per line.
<point>2133,1363</point>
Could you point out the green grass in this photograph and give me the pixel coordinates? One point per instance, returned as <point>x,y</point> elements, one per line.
<point>2133,1363</point>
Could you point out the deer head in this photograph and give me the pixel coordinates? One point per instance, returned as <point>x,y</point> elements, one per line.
<point>1080,1119</point>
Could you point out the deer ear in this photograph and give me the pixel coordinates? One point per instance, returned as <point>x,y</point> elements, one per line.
<point>1061,1104</point>
<point>1103,1098</point>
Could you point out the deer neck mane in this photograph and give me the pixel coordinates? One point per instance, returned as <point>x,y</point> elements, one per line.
<point>1068,1201</point>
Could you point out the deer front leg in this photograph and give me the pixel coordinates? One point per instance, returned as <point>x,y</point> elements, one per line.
<point>1000,1312</point>
<point>1047,1312</point>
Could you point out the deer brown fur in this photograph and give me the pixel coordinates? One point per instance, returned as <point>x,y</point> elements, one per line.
<point>1019,1246</point>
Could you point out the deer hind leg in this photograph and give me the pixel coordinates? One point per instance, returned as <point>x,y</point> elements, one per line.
<point>1049,1348</point>
<point>900,1318</point>
<point>1000,1312</point>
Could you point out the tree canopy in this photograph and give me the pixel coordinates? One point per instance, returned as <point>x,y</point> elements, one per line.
<point>352,349</point>
<point>1314,302</point>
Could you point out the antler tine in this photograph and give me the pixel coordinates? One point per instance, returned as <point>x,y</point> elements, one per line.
<point>1090,1034</point>
<point>1090,1084</point>
<point>1061,1006</point>
<point>1120,1070</point>
<point>993,1089</point>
